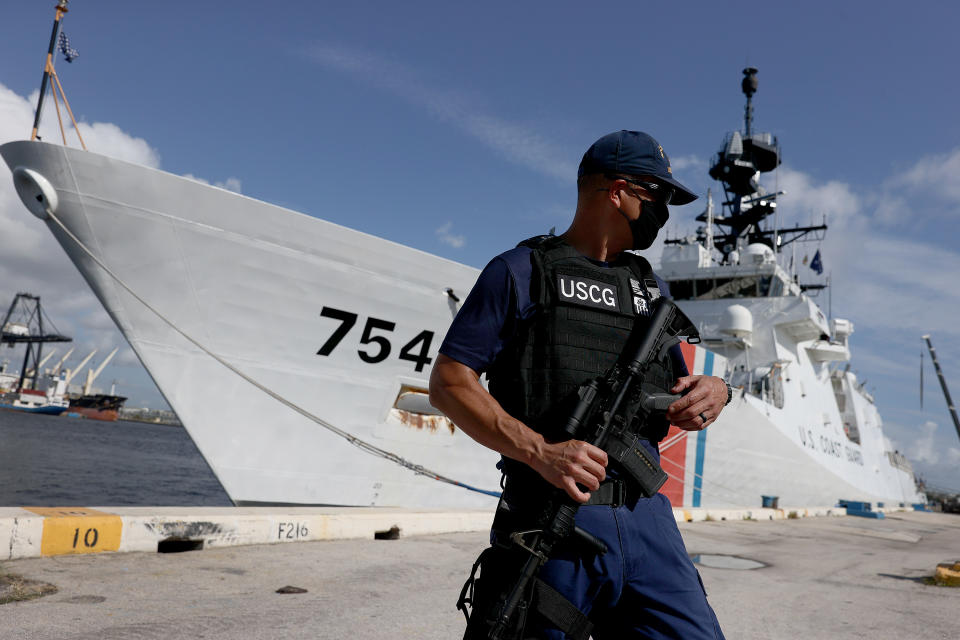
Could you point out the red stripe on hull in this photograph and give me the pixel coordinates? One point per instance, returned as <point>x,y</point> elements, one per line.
<point>674,459</point>
<point>689,355</point>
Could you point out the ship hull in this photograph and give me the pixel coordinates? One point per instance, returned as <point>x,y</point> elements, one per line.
<point>45,410</point>
<point>105,408</point>
<point>247,299</point>
<point>104,415</point>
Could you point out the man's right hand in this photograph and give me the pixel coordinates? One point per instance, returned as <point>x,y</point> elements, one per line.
<point>567,464</point>
<point>455,389</point>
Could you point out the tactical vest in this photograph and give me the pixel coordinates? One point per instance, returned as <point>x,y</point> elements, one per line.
<point>584,314</point>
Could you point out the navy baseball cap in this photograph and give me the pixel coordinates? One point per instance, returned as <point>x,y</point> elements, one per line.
<point>633,153</point>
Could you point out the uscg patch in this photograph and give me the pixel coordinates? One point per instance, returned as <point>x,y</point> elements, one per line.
<point>641,298</point>
<point>587,292</point>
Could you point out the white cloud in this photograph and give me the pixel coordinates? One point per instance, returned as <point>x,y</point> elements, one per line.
<point>872,260</point>
<point>806,202</point>
<point>953,456</point>
<point>691,161</point>
<point>444,235</point>
<point>108,139</point>
<point>937,175</point>
<point>515,142</point>
<point>230,184</point>
<point>924,447</point>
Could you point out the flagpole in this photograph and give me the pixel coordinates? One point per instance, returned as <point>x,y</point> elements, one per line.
<point>830,296</point>
<point>61,9</point>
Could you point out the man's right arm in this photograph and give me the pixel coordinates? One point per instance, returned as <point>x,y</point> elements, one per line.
<point>455,389</point>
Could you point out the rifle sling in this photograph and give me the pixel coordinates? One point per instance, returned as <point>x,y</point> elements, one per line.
<point>560,612</point>
<point>612,491</point>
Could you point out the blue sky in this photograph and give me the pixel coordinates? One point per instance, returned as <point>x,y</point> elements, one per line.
<point>457,129</point>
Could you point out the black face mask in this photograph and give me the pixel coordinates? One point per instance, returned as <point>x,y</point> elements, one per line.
<point>653,215</point>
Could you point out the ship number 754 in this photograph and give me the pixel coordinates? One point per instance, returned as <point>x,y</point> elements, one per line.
<point>379,346</point>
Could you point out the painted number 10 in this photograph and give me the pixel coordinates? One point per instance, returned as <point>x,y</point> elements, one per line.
<point>89,538</point>
<point>378,347</point>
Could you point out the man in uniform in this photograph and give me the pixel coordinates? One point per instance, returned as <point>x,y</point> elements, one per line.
<point>542,319</point>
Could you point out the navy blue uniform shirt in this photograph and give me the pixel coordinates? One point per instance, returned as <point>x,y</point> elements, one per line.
<point>490,316</point>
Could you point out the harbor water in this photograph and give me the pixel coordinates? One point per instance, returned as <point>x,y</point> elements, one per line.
<point>61,461</point>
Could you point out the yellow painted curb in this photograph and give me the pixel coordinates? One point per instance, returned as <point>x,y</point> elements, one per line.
<point>948,575</point>
<point>69,530</point>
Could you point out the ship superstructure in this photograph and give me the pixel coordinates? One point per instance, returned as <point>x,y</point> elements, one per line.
<point>800,401</point>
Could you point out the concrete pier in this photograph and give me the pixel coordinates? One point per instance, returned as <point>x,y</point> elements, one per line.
<point>827,577</point>
<point>48,531</point>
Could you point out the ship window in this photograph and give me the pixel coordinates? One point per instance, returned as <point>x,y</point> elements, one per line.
<point>776,287</point>
<point>744,287</point>
<point>682,289</point>
<point>763,286</point>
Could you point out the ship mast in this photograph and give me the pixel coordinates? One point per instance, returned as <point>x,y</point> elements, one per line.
<point>50,77</point>
<point>749,85</point>
<point>746,204</point>
<point>48,68</point>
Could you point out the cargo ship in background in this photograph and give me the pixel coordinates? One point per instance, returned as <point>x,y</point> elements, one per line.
<point>36,389</point>
<point>32,389</point>
<point>330,407</point>
<point>98,406</point>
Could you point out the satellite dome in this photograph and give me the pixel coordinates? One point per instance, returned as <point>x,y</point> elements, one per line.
<point>737,321</point>
<point>758,253</point>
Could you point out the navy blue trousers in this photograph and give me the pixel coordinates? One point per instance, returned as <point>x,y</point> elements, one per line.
<point>645,586</point>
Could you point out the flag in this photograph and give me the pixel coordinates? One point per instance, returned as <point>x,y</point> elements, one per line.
<point>69,54</point>
<point>815,264</point>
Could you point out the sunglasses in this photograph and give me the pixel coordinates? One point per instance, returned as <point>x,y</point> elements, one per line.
<point>661,193</point>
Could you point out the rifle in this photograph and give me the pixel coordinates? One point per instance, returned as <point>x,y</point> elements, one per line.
<point>597,419</point>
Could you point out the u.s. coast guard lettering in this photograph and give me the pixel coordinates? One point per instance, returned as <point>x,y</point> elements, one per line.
<point>587,292</point>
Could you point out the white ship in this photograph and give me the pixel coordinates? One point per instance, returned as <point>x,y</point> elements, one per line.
<point>803,428</point>
<point>296,352</point>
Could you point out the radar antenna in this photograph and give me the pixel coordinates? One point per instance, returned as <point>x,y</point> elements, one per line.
<point>749,86</point>
<point>737,166</point>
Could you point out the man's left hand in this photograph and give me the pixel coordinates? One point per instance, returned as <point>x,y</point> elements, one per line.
<point>706,397</point>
